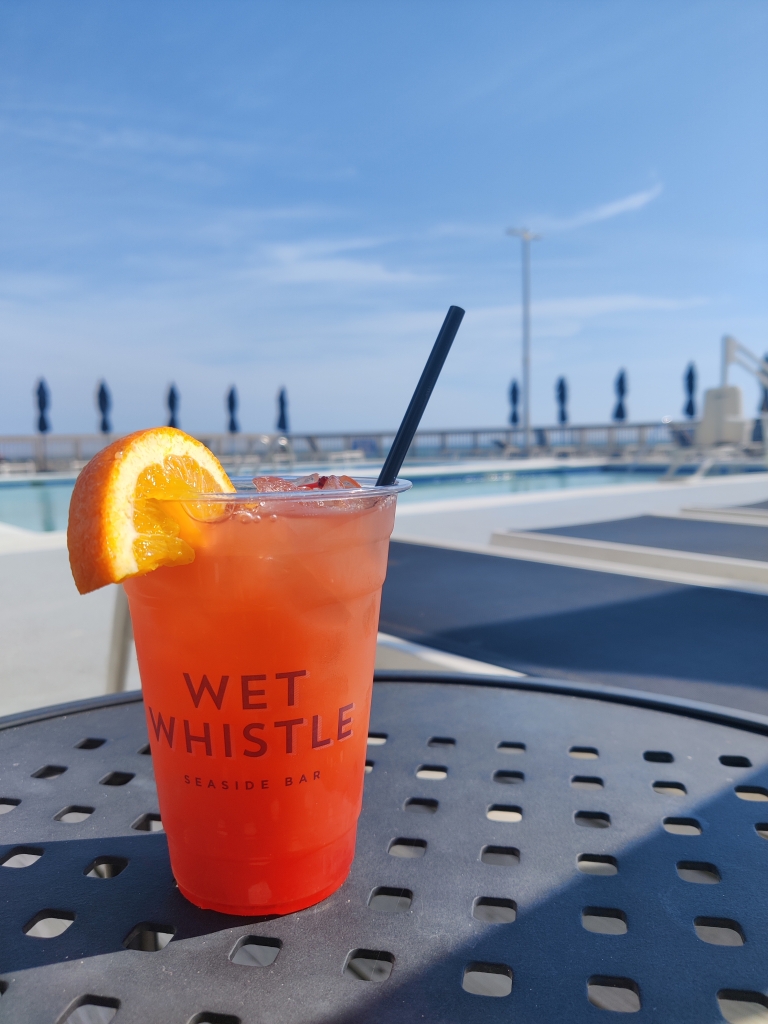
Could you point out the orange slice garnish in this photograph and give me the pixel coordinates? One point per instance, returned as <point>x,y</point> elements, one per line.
<point>118,526</point>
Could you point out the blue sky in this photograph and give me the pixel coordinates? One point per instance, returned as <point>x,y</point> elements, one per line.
<point>293,194</point>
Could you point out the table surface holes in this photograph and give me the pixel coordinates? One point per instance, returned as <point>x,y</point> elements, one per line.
<point>466,909</point>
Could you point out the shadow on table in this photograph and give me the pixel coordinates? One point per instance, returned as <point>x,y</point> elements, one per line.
<point>662,884</point>
<point>668,891</point>
<point>80,899</point>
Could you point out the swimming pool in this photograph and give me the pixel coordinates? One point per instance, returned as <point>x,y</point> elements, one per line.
<point>436,487</point>
<point>42,503</point>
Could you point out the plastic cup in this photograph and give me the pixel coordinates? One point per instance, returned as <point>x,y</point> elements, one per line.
<point>256,664</point>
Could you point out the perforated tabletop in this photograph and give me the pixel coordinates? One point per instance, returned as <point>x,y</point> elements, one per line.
<point>527,852</point>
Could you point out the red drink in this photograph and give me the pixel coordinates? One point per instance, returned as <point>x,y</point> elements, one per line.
<point>256,664</point>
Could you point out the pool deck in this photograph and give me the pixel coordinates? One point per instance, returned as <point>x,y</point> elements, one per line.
<point>474,520</point>
<point>456,601</point>
<point>15,540</point>
<point>53,642</point>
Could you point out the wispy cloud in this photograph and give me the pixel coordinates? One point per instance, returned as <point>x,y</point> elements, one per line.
<point>571,316</point>
<point>328,262</point>
<point>607,211</point>
<point>602,305</point>
<point>35,287</point>
<point>552,225</point>
<point>94,130</point>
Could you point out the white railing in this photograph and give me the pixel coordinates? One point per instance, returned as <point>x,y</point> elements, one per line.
<point>69,452</point>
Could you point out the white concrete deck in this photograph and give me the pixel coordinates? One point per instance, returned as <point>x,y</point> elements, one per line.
<point>53,642</point>
<point>14,540</point>
<point>473,520</point>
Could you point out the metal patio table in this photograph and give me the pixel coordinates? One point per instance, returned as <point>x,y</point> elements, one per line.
<point>528,851</point>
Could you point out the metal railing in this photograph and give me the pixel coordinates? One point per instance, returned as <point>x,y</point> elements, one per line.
<point>70,452</point>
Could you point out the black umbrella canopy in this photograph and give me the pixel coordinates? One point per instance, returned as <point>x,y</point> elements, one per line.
<point>173,401</point>
<point>282,411</point>
<point>561,396</point>
<point>104,404</point>
<point>43,398</point>
<point>233,426</point>
<point>514,398</point>
<point>621,387</point>
<point>689,380</point>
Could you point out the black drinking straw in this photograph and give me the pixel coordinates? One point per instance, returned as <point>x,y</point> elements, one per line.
<point>421,396</point>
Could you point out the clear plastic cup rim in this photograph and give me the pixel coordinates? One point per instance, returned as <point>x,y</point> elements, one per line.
<point>246,492</point>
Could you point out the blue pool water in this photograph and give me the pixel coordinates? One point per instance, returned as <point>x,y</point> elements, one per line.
<point>443,488</point>
<point>43,504</point>
<point>36,505</point>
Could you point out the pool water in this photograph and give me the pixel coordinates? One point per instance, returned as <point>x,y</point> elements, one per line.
<point>42,505</point>
<point>443,488</point>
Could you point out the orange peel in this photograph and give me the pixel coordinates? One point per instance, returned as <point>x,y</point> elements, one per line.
<point>118,526</point>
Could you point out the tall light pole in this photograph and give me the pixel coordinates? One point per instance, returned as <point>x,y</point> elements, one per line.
<point>526,237</point>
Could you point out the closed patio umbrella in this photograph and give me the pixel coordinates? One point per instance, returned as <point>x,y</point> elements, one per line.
<point>173,401</point>
<point>104,404</point>
<point>233,426</point>
<point>620,412</point>
<point>282,411</point>
<point>43,402</point>
<point>561,394</point>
